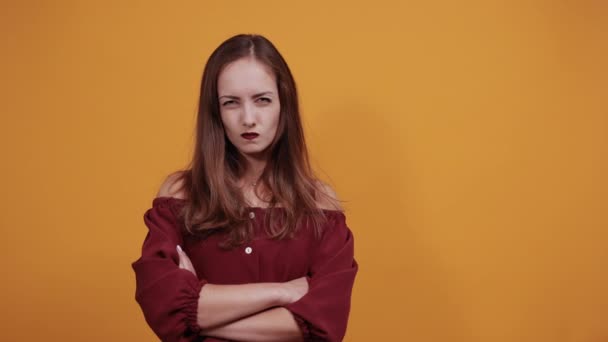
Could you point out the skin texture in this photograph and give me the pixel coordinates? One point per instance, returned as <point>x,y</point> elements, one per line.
<point>249,102</point>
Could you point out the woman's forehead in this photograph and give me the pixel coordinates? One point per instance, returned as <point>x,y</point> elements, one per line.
<point>246,76</point>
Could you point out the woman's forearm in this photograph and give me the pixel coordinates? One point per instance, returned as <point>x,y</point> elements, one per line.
<point>276,324</point>
<point>220,304</point>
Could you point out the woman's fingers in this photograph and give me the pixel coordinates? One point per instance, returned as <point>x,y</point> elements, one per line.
<point>188,262</point>
<point>184,261</point>
<point>182,258</point>
<point>295,289</point>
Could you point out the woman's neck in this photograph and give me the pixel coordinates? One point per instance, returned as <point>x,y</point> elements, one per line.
<point>254,167</point>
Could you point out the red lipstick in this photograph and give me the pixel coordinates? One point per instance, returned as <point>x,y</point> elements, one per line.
<point>249,135</point>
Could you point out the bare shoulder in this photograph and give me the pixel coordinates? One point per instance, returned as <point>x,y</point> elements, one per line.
<point>172,186</point>
<point>327,197</point>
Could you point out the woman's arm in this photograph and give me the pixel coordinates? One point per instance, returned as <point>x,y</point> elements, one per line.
<point>221,304</point>
<point>322,313</point>
<point>276,324</point>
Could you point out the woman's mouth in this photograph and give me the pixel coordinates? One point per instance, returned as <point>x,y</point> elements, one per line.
<point>249,136</point>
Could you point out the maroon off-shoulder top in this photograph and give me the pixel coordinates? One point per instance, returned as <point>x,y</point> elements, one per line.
<point>168,295</point>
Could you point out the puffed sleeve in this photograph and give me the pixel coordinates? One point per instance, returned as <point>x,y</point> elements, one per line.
<point>167,295</point>
<point>322,314</point>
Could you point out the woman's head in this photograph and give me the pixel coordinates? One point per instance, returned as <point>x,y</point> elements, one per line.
<point>249,106</point>
<point>239,69</point>
<point>248,87</point>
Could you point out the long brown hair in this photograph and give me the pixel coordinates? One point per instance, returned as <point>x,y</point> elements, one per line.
<point>214,200</point>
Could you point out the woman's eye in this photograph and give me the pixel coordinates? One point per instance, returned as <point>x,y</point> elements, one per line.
<point>265,99</point>
<point>228,102</point>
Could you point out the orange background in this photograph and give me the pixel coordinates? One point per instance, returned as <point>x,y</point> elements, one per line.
<point>469,139</point>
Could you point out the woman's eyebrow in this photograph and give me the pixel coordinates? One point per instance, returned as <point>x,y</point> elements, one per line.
<point>255,95</point>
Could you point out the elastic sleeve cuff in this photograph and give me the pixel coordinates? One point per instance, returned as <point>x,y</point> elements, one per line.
<point>304,327</point>
<point>191,311</point>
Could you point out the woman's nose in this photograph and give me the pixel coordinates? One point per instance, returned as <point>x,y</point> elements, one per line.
<point>248,115</point>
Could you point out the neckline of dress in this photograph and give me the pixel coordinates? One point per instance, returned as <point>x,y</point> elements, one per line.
<point>169,198</point>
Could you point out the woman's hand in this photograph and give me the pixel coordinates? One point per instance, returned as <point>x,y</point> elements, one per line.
<point>293,290</point>
<point>184,261</point>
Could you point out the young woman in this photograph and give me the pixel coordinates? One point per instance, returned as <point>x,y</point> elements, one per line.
<point>246,244</point>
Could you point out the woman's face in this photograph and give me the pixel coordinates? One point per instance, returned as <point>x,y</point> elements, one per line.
<point>249,105</point>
